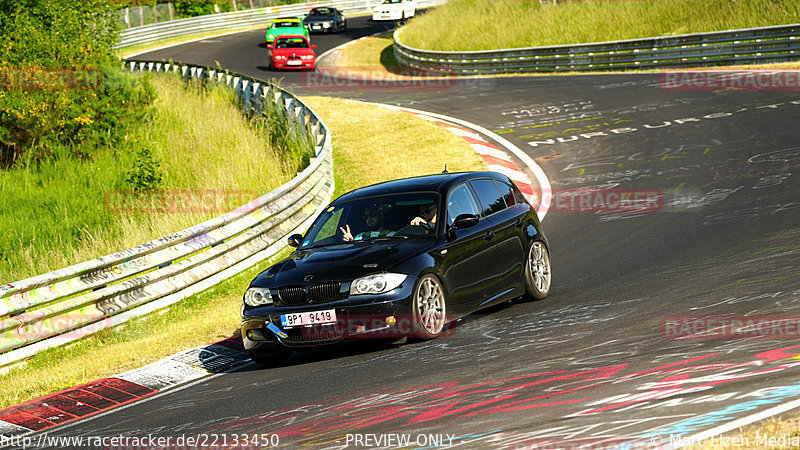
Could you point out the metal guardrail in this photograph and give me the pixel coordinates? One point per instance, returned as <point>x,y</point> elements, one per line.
<point>55,308</point>
<point>746,46</point>
<point>241,20</point>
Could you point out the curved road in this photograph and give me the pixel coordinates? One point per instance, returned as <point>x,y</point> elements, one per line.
<point>610,357</point>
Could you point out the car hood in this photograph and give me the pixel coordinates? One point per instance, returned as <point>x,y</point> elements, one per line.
<point>292,51</point>
<point>341,262</point>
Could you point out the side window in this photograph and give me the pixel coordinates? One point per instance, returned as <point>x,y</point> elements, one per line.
<point>519,195</point>
<point>460,202</point>
<point>489,196</point>
<point>508,193</point>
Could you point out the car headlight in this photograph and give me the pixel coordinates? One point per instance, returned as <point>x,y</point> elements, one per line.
<point>327,24</point>
<point>280,57</point>
<point>256,296</point>
<point>377,284</point>
<point>307,56</point>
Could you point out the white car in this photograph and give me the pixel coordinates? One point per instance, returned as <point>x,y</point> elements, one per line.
<point>395,10</point>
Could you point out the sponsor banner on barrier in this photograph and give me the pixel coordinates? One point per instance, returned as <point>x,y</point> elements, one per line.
<point>604,200</point>
<point>46,78</point>
<point>366,78</point>
<point>178,200</point>
<point>730,327</point>
<point>748,80</point>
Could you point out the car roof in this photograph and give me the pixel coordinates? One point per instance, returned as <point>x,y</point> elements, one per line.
<point>286,19</point>
<point>427,183</point>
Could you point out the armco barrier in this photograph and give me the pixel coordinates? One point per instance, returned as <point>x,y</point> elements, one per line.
<point>747,46</point>
<point>55,308</point>
<point>241,20</point>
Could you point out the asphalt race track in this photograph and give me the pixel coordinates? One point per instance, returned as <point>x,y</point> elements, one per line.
<point>617,353</point>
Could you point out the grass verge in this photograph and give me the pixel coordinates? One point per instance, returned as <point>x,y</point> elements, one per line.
<point>371,144</point>
<point>68,210</point>
<point>462,25</point>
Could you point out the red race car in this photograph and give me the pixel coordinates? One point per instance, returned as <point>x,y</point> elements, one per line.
<point>291,52</point>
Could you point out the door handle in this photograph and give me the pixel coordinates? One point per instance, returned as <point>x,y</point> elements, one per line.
<point>489,236</point>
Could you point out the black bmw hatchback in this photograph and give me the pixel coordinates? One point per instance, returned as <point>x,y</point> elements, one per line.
<point>399,259</point>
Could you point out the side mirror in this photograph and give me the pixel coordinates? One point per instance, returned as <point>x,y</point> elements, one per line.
<point>295,240</point>
<point>465,221</point>
<point>269,46</point>
<point>313,46</point>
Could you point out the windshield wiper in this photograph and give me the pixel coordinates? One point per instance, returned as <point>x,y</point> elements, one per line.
<point>395,236</point>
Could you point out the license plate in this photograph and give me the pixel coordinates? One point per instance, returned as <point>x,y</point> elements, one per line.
<point>308,318</point>
<point>294,63</point>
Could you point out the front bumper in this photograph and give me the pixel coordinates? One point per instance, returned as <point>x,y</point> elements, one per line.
<point>390,15</point>
<point>362,317</point>
<point>320,27</point>
<point>284,64</point>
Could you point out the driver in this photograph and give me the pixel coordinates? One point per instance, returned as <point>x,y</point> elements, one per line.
<point>373,219</point>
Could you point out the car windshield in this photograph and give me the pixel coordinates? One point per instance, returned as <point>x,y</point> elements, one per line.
<point>286,24</point>
<point>390,2</point>
<point>373,218</point>
<point>291,43</point>
<point>321,12</point>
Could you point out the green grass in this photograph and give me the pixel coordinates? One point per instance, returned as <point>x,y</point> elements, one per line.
<point>371,144</point>
<point>462,25</point>
<point>63,211</point>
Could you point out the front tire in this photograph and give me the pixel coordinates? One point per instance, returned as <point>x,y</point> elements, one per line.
<point>538,273</point>
<point>429,307</point>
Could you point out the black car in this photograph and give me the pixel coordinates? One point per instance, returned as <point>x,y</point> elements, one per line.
<point>399,259</point>
<point>325,20</point>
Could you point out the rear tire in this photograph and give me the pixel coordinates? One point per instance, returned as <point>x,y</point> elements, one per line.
<point>538,274</point>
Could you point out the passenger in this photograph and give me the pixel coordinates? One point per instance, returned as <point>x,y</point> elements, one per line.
<point>427,217</point>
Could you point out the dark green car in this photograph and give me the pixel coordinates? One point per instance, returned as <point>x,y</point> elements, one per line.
<point>286,26</point>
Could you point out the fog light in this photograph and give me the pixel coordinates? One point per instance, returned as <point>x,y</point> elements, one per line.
<point>254,334</point>
<point>391,321</point>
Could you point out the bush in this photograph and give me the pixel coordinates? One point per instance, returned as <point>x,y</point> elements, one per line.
<point>61,83</point>
<point>193,8</point>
